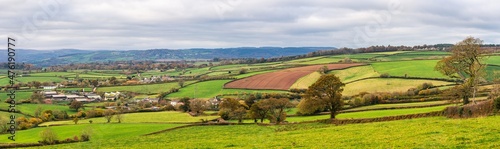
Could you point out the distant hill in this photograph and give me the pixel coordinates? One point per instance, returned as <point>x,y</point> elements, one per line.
<point>66,56</point>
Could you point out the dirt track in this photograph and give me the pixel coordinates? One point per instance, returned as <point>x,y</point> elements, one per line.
<point>281,80</point>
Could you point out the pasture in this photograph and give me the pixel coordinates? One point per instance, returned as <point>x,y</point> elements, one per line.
<point>144,117</point>
<point>144,89</point>
<point>386,85</point>
<point>355,73</point>
<point>415,68</point>
<point>435,132</point>
<point>281,80</point>
<point>210,89</point>
<point>100,132</point>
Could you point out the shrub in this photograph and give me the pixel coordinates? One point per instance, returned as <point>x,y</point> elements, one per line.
<point>385,75</point>
<point>86,134</point>
<point>497,104</point>
<point>483,108</point>
<point>48,136</point>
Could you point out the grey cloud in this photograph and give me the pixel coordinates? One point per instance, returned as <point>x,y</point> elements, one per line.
<point>178,24</point>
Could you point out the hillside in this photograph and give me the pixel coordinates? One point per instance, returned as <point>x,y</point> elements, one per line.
<point>66,56</point>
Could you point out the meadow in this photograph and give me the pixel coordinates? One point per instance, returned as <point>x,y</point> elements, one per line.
<point>434,132</point>
<point>144,89</point>
<point>415,68</point>
<point>386,85</point>
<point>355,73</point>
<point>144,117</point>
<point>210,89</point>
<point>100,132</point>
<point>367,114</point>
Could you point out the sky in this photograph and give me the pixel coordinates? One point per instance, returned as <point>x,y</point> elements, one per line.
<point>181,24</point>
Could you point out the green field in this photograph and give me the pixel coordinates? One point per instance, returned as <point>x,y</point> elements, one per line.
<point>493,60</point>
<point>101,132</point>
<point>355,73</point>
<point>368,114</point>
<point>144,89</point>
<point>30,108</point>
<point>19,95</point>
<point>144,117</point>
<point>416,68</point>
<point>398,105</point>
<point>306,81</point>
<point>210,89</point>
<point>386,85</point>
<point>436,132</point>
<point>324,60</point>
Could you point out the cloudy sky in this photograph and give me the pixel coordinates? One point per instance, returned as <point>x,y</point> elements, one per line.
<point>178,24</point>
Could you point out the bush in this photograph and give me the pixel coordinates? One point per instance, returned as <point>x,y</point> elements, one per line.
<point>86,134</point>
<point>385,75</point>
<point>483,108</point>
<point>48,136</point>
<point>497,104</point>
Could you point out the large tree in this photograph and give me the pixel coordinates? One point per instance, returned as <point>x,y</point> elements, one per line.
<point>198,106</point>
<point>232,109</point>
<point>76,105</point>
<point>324,94</point>
<point>465,63</point>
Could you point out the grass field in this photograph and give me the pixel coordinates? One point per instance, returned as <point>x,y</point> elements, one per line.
<point>144,89</point>
<point>30,108</point>
<point>435,132</point>
<point>144,117</point>
<point>493,60</point>
<point>416,68</point>
<point>306,81</point>
<point>399,105</point>
<point>368,114</point>
<point>324,60</point>
<point>252,74</point>
<point>386,85</point>
<point>355,73</point>
<point>357,56</point>
<point>19,95</point>
<point>210,89</point>
<point>101,132</point>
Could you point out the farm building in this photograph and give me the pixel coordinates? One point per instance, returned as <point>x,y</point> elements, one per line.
<point>111,95</point>
<point>49,94</point>
<point>59,97</point>
<point>93,96</point>
<point>49,87</point>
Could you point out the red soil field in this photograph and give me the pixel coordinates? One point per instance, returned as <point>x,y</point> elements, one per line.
<point>281,80</point>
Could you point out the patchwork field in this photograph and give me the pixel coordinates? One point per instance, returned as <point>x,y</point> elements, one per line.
<point>306,81</point>
<point>415,68</point>
<point>144,89</point>
<point>145,117</point>
<point>436,132</point>
<point>355,73</point>
<point>281,80</point>
<point>386,85</point>
<point>210,89</point>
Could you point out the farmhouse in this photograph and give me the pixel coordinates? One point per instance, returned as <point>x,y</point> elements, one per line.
<point>111,95</point>
<point>93,97</point>
<point>49,87</point>
<point>59,97</point>
<point>48,94</point>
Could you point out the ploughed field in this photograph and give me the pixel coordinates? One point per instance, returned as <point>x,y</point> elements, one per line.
<point>281,80</point>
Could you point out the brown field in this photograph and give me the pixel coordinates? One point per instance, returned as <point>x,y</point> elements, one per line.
<point>281,80</point>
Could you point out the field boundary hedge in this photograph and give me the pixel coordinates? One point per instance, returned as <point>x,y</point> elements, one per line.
<point>382,119</point>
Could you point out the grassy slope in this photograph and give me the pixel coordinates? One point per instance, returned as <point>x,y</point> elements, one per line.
<point>378,106</point>
<point>368,114</point>
<point>210,89</point>
<point>145,89</point>
<point>416,68</point>
<point>101,132</point>
<point>306,81</point>
<point>144,117</point>
<point>385,85</point>
<point>436,132</point>
<point>355,73</point>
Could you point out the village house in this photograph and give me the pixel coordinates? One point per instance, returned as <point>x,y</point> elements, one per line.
<point>49,87</point>
<point>111,96</point>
